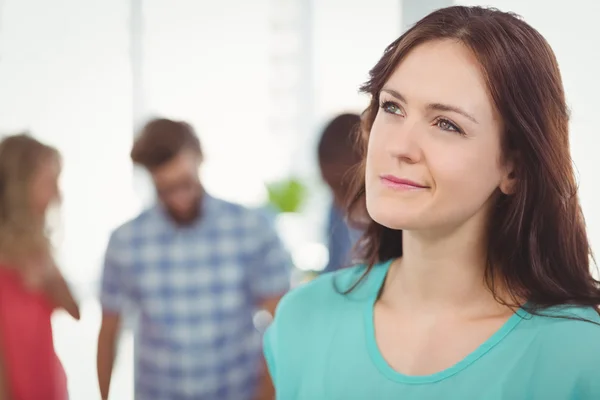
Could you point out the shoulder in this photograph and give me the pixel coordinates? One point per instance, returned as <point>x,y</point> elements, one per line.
<point>570,336</point>
<point>329,286</point>
<point>237,214</point>
<point>311,314</point>
<point>339,290</point>
<point>573,322</point>
<point>304,299</point>
<point>216,203</point>
<point>129,229</point>
<point>123,239</point>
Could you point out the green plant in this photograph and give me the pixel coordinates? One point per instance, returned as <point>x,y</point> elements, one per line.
<point>287,195</point>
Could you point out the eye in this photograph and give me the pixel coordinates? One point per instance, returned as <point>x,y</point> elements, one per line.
<point>446,125</point>
<point>391,108</point>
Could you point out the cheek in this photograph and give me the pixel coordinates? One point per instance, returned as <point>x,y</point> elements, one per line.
<point>44,196</point>
<point>49,190</point>
<point>466,176</point>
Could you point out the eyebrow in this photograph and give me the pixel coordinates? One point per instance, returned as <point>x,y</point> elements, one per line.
<point>433,106</point>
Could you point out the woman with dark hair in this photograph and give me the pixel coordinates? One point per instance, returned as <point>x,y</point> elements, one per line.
<point>337,156</point>
<point>476,280</point>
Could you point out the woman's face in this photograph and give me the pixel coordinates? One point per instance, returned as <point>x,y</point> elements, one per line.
<point>434,156</point>
<point>44,186</point>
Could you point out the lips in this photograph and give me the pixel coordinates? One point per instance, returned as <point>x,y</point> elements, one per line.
<point>401,183</point>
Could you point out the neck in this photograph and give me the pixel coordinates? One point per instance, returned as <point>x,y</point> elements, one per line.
<point>441,272</point>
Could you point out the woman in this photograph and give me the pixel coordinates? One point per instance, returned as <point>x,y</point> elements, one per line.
<point>31,286</point>
<point>476,281</point>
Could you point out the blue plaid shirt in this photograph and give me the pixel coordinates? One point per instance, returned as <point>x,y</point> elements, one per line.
<point>195,290</point>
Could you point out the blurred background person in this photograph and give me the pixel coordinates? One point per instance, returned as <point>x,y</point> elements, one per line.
<point>31,286</point>
<point>338,155</point>
<point>195,268</point>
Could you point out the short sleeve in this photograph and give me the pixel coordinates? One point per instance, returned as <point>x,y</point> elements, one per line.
<point>113,291</point>
<point>271,263</point>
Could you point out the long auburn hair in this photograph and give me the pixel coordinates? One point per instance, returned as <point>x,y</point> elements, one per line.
<point>22,231</point>
<point>538,245</point>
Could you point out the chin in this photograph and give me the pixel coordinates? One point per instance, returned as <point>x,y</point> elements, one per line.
<point>395,216</point>
<point>395,223</point>
<point>183,216</point>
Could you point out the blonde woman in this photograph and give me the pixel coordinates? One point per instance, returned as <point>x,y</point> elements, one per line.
<point>31,286</point>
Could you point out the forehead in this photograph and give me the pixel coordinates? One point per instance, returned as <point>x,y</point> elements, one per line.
<point>446,72</point>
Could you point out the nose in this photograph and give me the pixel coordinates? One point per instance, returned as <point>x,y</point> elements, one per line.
<point>405,143</point>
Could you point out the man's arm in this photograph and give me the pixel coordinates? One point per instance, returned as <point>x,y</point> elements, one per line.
<point>113,299</point>
<point>107,350</point>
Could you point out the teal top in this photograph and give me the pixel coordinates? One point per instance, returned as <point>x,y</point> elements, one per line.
<point>322,345</point>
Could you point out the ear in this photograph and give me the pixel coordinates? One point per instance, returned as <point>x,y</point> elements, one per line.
<point>508,184</point>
